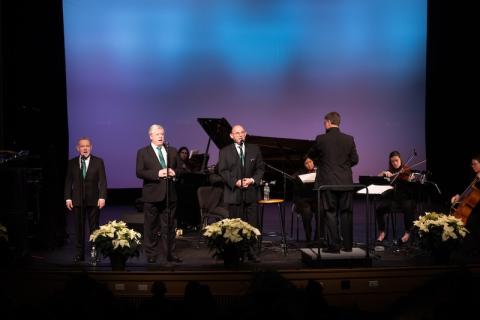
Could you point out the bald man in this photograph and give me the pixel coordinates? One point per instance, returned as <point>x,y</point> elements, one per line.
<point>241,166</point>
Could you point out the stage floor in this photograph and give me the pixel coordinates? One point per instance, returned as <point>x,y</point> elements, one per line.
<point>192,249</point>
<point>348,279</point>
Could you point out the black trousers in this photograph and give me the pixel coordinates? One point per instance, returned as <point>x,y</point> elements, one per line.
<point>389,204</point>
<point>248,213</point>
<point>307,208</point>
<point>158,234</point>
<point>90,213</point>
<point>338,210</point>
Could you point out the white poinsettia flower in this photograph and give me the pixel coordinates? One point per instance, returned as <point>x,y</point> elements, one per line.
<point>115,235</point>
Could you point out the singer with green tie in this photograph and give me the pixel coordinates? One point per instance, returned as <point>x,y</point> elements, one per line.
<point>158,165</point>
<point>241,166</point>
<point>85,192</point>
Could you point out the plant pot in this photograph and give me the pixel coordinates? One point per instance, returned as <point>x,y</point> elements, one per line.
<point>441,256</point>
<point>117,261</point>
<point>232,257</point>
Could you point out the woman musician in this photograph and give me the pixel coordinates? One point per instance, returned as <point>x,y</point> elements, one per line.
<point>467,208</point>
<point>400,197</point>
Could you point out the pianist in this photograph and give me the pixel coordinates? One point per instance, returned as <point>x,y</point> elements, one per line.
<point>304,199</point>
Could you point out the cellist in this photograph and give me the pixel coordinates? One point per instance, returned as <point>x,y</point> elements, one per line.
<point>476,169</point>
<point>467,208</point>
<point>400,197</point>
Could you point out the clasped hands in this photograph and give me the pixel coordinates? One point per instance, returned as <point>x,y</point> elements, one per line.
<point>163,173</point>
<point>244,183</point>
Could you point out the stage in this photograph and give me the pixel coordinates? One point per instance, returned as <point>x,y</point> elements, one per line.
<point>370,282</point>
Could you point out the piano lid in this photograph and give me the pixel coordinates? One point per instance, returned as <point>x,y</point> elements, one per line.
<point>218,130</point>
<point>284,153</point>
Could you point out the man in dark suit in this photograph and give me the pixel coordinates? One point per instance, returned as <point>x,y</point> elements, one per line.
<point>337,154</point>
<point>241,166</point>
<point>85,191</point>
<point>157,165</point>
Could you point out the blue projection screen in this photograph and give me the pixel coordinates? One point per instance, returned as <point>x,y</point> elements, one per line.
<point>274,66</point>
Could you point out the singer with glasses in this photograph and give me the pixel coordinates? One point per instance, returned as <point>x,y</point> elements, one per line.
<point>157,166</point>
<point>241,167</point>
<point>85,191</point>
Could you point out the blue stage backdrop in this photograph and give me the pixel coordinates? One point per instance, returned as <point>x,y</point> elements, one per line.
<point>276,66</point>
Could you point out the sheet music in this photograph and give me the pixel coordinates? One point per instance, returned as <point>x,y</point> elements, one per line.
<point>308,177</point>
<point>192,152</point>
<point>374,189</point>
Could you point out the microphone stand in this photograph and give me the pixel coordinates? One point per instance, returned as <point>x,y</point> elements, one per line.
<point>242,189</point>
<point>82,205</point>
<point>167,199</point>
<point>284,175</point>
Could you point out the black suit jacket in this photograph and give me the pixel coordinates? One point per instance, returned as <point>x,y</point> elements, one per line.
<point>154,187</point>
<point>93,187</point>
<point>230,168</point>
<point>337,154</point>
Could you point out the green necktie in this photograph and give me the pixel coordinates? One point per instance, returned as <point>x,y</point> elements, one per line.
<point>241,155</point>
<point>84,168</point>
<point>161,158</point>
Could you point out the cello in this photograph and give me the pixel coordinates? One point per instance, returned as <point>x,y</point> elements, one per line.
<point>467,201</point>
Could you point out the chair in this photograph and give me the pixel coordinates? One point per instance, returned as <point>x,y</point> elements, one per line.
<point>391,220</point>
<point>281,210</point>
<point>210,200</point>
<point>295,213</point>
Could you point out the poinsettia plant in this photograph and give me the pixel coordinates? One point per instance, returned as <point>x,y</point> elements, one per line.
<point>116,237</point>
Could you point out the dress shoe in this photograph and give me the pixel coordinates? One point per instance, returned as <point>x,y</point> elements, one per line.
<point>331,249</point>
<point>314,244</point>
<point>174,259</point>
<point>151,260</point>
<point>78,258</point>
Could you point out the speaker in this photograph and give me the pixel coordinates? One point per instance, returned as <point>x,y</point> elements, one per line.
<point>356,258</point>
<point>20,205</point>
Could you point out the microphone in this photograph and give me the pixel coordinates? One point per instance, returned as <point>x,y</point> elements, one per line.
<point>414,152</point>
<point>241,142</point>
<point>165,143</point>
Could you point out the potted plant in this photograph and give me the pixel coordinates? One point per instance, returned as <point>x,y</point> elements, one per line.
<point>439,234</point>
<point>231,240</point>
<point>116,241</point>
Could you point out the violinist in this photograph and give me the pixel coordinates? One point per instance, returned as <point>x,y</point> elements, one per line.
<point>400,197</point>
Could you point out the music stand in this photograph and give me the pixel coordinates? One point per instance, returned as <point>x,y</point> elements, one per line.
<point>358,255</point>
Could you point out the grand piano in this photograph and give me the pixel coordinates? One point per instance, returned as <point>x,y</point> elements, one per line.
<point>279,154</point>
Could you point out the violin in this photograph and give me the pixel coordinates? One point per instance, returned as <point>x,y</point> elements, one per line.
<point>402,174</point>
<point>405,173</point>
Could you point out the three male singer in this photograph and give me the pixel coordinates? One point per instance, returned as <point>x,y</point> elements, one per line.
<point>85,191</point>
<point>157,165</point>
<point>241,166</point>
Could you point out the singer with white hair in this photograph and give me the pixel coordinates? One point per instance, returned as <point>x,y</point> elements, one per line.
<point>241,166</point>
<point>157,166</point>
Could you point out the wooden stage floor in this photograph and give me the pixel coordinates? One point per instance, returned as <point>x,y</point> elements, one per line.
<point>389,274</point>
